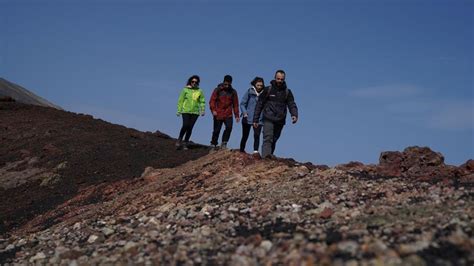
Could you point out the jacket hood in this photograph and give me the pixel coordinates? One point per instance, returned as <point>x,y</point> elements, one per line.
<point>192,88</point>
<point>221,87</point>
<point>254,91</point>
<point>283,86</point>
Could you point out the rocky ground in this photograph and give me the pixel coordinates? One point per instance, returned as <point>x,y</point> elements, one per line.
<point>49,156</point>
<point>231,208</point>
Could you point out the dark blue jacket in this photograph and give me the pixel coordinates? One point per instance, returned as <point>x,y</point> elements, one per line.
<point>274,102</point>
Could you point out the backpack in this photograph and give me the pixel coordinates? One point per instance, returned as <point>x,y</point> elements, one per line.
<point>234,92</point>
<point>287,91</point>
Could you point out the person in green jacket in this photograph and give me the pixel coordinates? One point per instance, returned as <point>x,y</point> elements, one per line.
<point>191,104</point>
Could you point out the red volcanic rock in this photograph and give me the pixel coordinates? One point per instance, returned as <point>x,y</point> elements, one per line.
<point>350,165</point>
<point>326,213</point>
<point>390,163</point>
<point>467,173</point>
<point>467,167</point>
<point>416,162</point>
<point>421,157</point>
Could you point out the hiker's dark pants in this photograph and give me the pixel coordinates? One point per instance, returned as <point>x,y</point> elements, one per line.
<point>188,123</point>
<point>245,135</point>
<point>271,133</point>
<point>217,129</point>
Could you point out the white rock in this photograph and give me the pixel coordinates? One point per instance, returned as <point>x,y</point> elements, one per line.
<point>92,239</point>
<point>38,256</point>
<point>22,242</point>
<point>107,231</point>
<point>355,213</point>
<point>233,209</point>
<point>130,245</point>
<point>296,207</point>
<point>205,231</point>
<point>153,234</point>
<point>266,245</point>
<point>77,226</point>
<point>348,246</point>
<point>246,210</point>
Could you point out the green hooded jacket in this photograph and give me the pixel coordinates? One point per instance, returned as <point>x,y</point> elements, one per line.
<point>191,101</point>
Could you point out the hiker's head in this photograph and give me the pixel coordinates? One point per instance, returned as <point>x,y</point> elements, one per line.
<point>193,81</point>
<point>258,83</point>
<point>227,81</point>
<point>280,77</point>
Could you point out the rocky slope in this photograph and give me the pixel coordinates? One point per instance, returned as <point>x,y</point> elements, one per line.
<point>48,156</point>
<point>231,208</point>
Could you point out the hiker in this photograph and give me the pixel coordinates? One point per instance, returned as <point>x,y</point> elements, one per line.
<point>273,102</point>
<point>191,104</point>
<point>224,101</point>
<point>247,106</point>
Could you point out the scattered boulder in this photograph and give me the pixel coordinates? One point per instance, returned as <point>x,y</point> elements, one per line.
<point>415,162</point>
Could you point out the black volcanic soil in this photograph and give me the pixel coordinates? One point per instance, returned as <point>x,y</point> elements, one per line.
<point>90,152</point>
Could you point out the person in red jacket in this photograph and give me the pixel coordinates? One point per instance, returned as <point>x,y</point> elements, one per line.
<point>224,101</point>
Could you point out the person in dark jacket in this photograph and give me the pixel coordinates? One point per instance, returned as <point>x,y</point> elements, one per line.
<point>224,101</point>
<point>273,103</point>
<point>247,106</point>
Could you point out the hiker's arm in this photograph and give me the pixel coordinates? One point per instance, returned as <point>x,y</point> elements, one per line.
<point>235,105</point>
<point>259,106</point>
<point>243,104</point>
<point>290,101</point>
<point>180,102</point>
<point>202,103</point>
<point>212,101</point>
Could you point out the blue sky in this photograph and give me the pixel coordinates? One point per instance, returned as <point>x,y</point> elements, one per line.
<point>368,76</point>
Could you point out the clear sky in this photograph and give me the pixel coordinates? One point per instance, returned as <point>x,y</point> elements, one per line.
<point>368,76</point>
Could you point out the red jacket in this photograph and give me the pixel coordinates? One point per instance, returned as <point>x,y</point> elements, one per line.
<point>223,101</point>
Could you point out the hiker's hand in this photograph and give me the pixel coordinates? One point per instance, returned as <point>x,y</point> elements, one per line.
<point>237,119</point>
<point>255,125</point>
<point>214,113</point>
<point>294,119</point>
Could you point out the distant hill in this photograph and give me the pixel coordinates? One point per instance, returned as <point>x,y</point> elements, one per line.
<point>22,95</point>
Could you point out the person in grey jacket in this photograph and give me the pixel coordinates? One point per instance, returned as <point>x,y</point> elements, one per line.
<point>247,108</point>
<point>273,103</point>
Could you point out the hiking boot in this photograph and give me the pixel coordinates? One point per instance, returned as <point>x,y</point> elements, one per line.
<point>185,146</point>
<point>214,147</point>
<point>256,155</point>
<point>224,145</point>
<point>178,145</point>
<point>270,156</point>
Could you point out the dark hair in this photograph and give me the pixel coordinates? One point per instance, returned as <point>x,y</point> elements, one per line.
<point>228,78</point>
<point>193,77</point>
<point>280,71</point>
<point>257,79</point>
